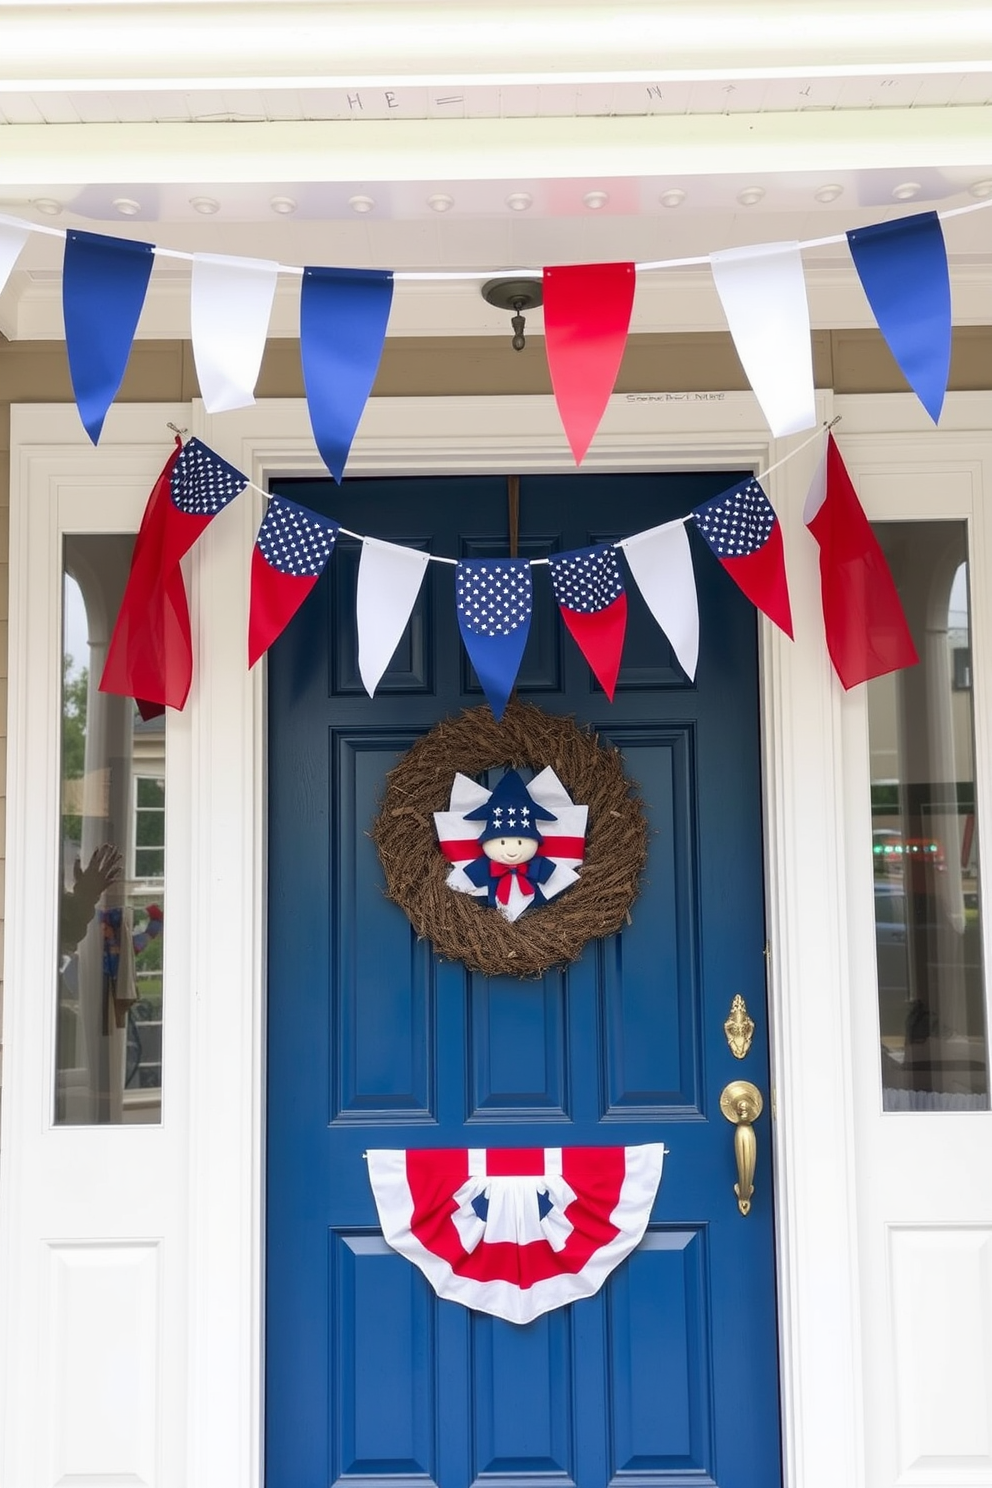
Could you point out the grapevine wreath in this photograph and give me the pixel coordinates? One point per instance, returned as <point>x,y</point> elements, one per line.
<point>462,928</point>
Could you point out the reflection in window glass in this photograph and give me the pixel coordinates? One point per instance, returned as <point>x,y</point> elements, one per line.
<point>928,934</point>
<point>111,914</point>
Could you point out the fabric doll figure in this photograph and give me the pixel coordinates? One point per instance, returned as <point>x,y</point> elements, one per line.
<point>510,869</point>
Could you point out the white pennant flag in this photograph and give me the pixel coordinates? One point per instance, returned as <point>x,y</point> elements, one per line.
<point>662,566</point>
<point>230,305</point>
<point>389,580</point>
<point>763,292</point>
<point>13,236</point>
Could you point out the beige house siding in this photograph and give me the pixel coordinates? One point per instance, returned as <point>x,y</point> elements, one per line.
<point>849,361</point>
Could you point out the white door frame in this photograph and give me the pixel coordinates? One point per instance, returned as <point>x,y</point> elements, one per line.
<point>206,1160</point>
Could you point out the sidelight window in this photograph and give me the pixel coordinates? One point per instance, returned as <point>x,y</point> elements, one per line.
<point>925,837</point>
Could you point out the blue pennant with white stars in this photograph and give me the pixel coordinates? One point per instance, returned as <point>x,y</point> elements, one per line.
<point>495,600</point>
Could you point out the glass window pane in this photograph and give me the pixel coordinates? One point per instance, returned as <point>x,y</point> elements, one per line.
<point>109,974</point>
<point>928,932</point>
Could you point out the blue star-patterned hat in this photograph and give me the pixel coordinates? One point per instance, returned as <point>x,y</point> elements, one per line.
<point>511,811</point>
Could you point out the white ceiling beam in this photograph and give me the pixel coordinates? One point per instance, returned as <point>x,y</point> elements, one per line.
<point>42,157</point>
<point>134,44</point>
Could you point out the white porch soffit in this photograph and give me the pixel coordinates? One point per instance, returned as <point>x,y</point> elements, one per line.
<point>474,135</point>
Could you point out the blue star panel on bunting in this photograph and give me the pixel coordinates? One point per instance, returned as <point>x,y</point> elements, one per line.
<point>295,540</point>
<point>203,483</point>
<point>588,580</point>
<point>495,600</point>
<point>737,523</point>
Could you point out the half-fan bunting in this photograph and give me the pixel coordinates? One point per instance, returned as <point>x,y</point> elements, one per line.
<point>150,654</point>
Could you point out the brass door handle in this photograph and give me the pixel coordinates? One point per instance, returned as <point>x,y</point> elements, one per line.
<point>741,1103</point>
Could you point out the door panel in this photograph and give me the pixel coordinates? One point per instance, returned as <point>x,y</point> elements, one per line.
<point>667,1376</point>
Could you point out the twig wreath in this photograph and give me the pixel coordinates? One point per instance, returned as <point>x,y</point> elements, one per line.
<point>462,928</point>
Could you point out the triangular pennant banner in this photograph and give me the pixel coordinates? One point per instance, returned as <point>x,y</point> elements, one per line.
<point>389,580</point>
<point>230,305</point>
<point>741,528</point>
<point>290,554</point>
<point>589,589</point>
<point>866,629</point>
<point>343,318</point>
<point>763,293</point>
<point>150,656</point>
<point>903,269</point>
<point>494,599</point>
<point>662,567</point>
<point>104,281</point>
<point>586,315</point>
<point>13,236</point>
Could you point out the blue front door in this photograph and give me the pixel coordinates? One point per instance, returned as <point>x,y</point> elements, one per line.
<point>668,1375</point>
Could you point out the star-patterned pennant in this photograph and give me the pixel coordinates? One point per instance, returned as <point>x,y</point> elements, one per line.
<point>201,485</point>
<point>151,653</point>
<point>741,528</point>
<point>494,598</point>
<point>593,603</point>
<point>291,551</point>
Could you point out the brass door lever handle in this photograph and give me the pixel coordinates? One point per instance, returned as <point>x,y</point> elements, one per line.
<point>741,1103</point>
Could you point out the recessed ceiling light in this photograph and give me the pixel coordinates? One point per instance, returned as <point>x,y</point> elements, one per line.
<point>906,191</point>
<point>48,205</point>
<point>594,200</point>
<point>440,202</point>
<point>673,197</point>
<point>126,206</point>
<point>519,201</point>
<point>361,203</point>
<point>750,196</point>
<point>284,205</point>
<point>828,193</point>
<point>981,189</point>
<point>207,205</point>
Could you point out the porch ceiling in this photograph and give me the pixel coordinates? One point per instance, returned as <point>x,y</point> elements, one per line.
<point>471,137</point>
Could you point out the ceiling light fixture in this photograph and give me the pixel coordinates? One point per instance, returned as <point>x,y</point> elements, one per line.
<point>48,205</point>
<point>828,193</point>
<point>205,205</point>
<point>519,201</point>
<point>126,206</point>
<point>595,200</point>
<point>751,196</point>
<point>440,202</point>
<point>361,204</point>
<point>284,205</point>
<point>673,197</point>
<point>981,189</point>
<point>517,295</point>
<point>906,191</point>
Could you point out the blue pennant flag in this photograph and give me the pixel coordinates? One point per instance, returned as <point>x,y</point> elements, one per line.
<point>103,289</point>
<point>343,316</point>
<point>494,597</point>
<point>903,270</point>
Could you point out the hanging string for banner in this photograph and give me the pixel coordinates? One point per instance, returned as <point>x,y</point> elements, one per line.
<point>759,476</point>
<point>415,276</point>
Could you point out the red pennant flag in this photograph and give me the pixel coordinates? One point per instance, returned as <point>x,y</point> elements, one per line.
<point>866,629</point>
<point>586,314</point>
<point>593,604</point>
<point>289,556</point>
<point>741,529</point>
<point>150,656</point>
